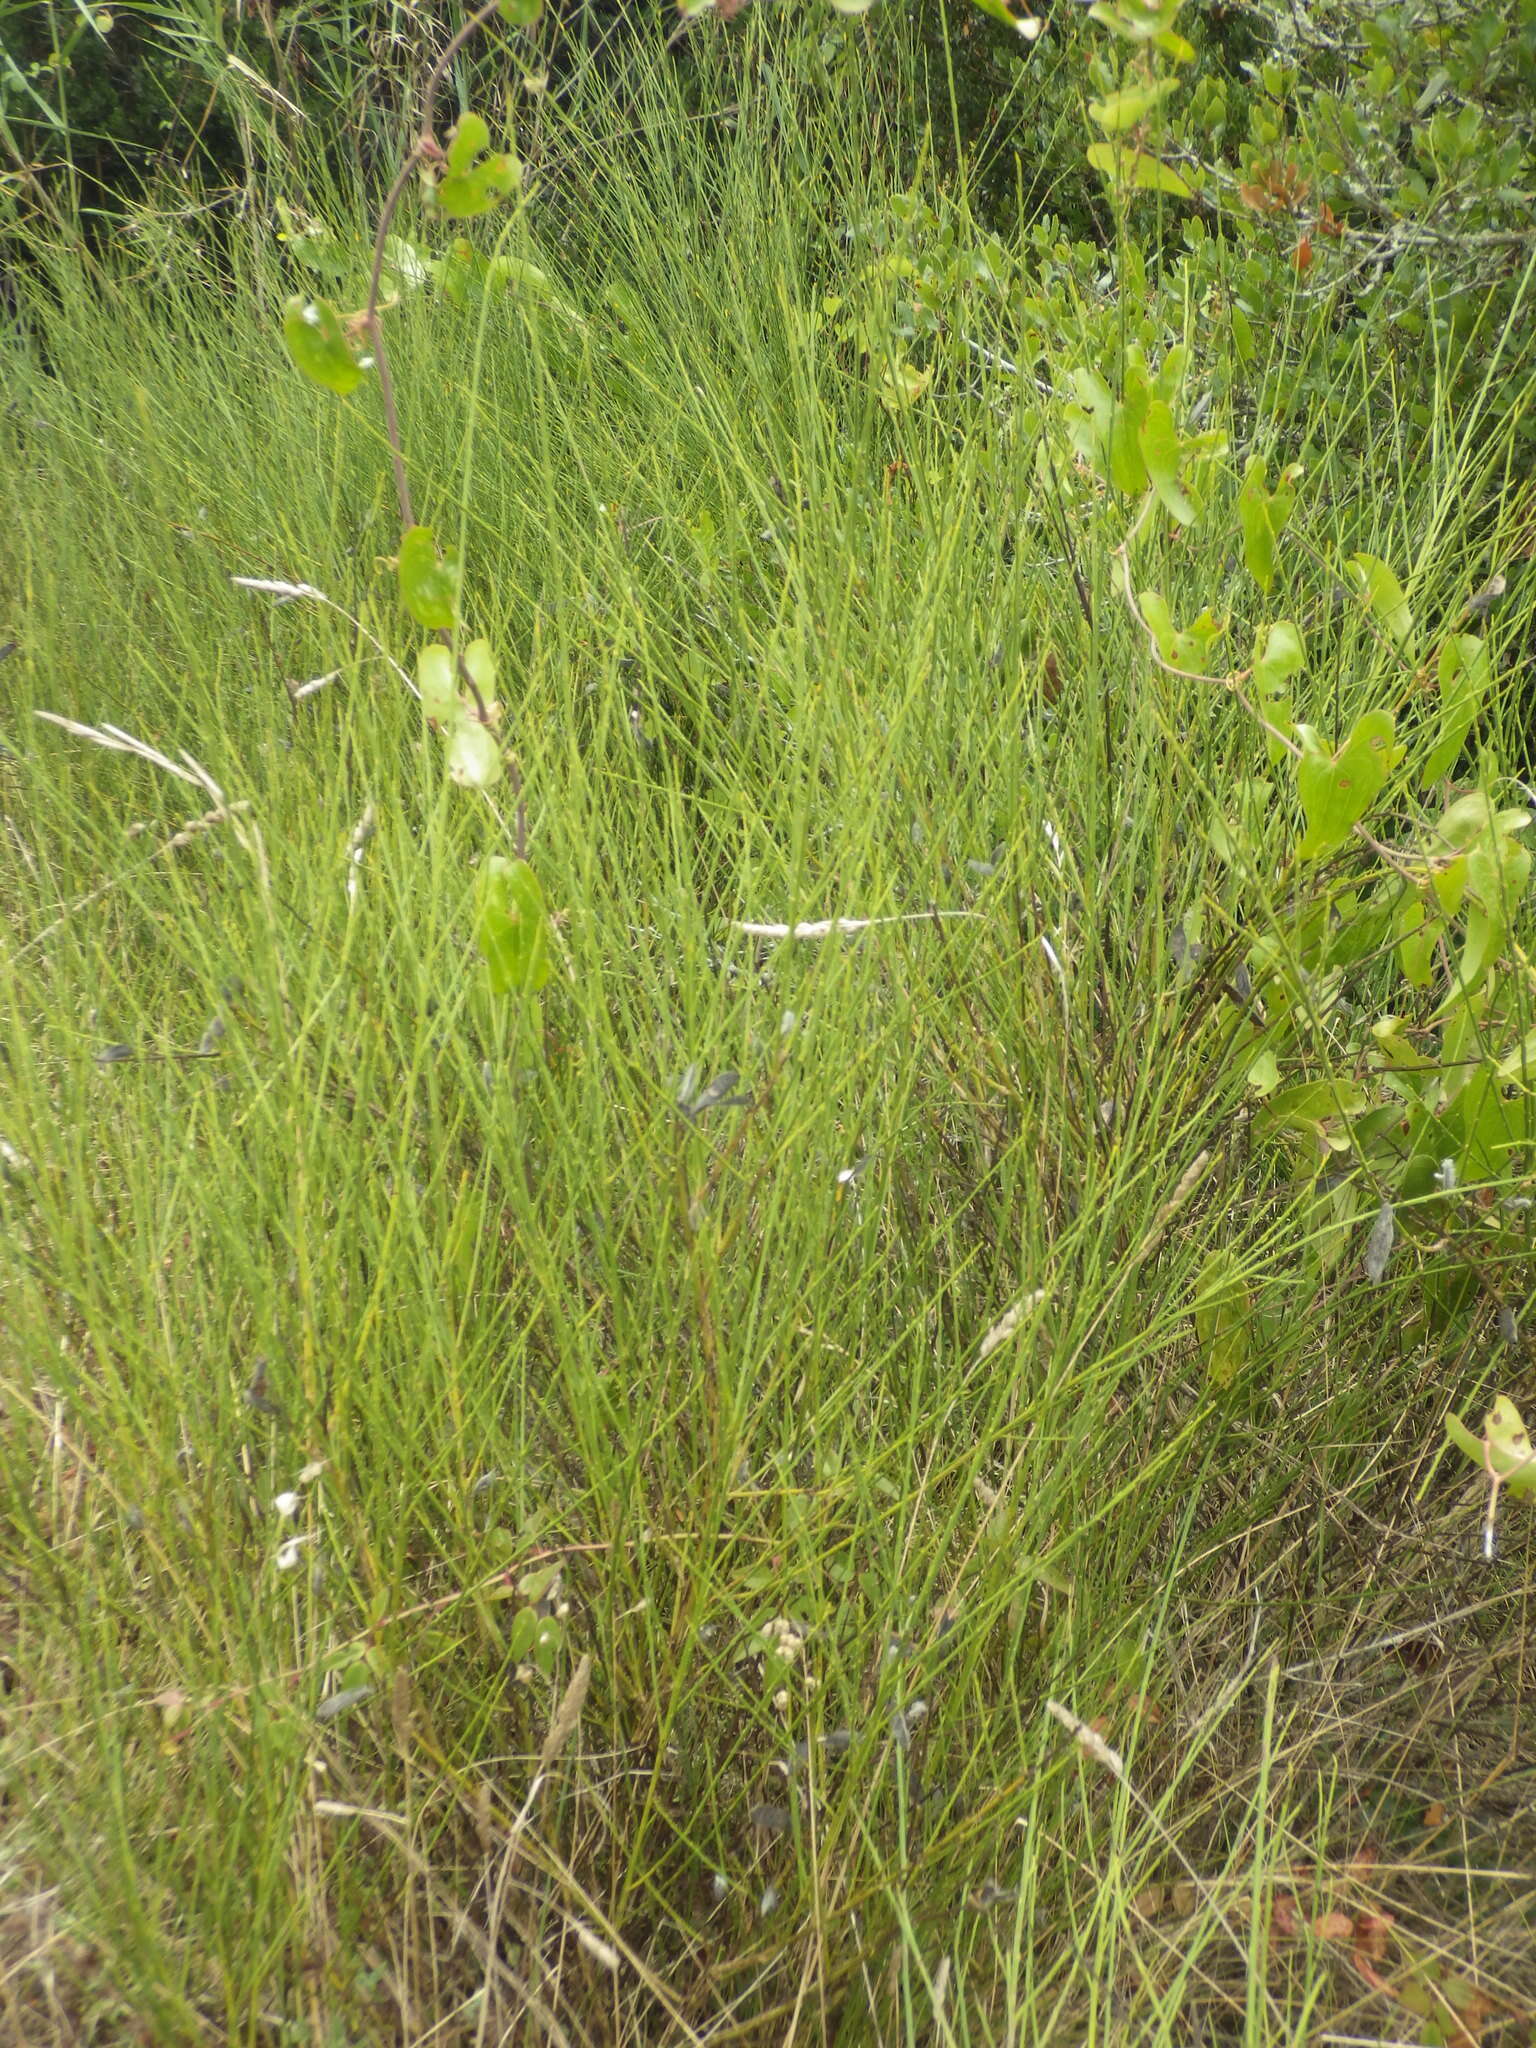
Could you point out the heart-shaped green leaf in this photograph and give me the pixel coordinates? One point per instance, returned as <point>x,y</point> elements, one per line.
<point>1498,869</point>
<point>1127,467</point>
<point>1308,1105</point>
<point>1188,647</point>
<point>1337,790</point>
<point>480,666</point>
<point>1161,452</point>
<point>1145,21</point>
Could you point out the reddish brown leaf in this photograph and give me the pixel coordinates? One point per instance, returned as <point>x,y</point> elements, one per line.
<point>1373,1934</point>
<point>1333,1926</point>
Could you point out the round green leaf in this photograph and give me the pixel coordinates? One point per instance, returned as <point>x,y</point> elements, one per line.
<point>512,928</point>
<point>436,682</point>
<point>429,587</point>
<point>318,344</point>
<point>474,759</point>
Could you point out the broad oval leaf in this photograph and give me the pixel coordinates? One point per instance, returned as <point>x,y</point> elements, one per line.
<point>474,759</point>
<point>318,344</point>
<point>512,928</point>
<point>1222,1313</point>
<point>405,268</point>
<point>429,586</point>
<point>480,666</point>
<point>1132,170</point>
<point>1498,869</point>
<point>1415,935</point>
<point>1466,820</point>
<point>438,686</point>
<point>1119,111</point>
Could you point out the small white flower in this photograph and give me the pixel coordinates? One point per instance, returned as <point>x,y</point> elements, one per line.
<point>288,1553</point>
<point>285,1505</point>
<point>785,1638</point>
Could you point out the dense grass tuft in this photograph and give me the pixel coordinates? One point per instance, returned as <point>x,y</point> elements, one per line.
<point>290,1207</point>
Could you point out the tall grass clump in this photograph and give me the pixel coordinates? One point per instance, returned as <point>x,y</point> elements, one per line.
<point>836,1473</point>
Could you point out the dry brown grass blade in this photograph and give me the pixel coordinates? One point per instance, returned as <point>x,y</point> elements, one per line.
<point>567,1715</point>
